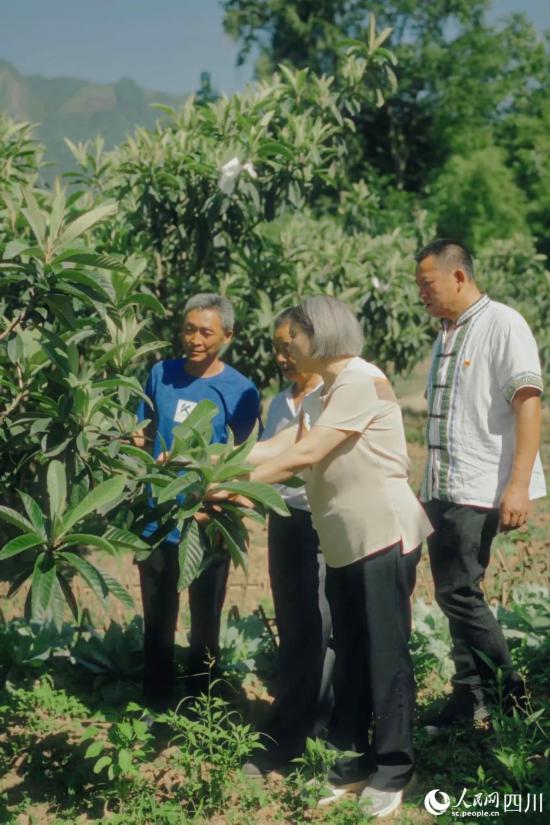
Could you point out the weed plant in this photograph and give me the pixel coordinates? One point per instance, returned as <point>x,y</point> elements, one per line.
<point>212,743</point>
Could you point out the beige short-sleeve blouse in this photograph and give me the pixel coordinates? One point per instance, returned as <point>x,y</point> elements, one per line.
<point>360,498</point>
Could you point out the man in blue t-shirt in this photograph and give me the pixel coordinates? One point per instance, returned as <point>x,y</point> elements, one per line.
<point>175,387</point>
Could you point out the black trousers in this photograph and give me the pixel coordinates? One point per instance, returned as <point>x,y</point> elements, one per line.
<point>459,555</point>
<point>297,571</point>
<point>373,680</point>
<point>159,578</point>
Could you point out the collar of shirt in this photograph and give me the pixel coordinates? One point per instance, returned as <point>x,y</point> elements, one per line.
<point>482,303</point>
<point>289,398</point>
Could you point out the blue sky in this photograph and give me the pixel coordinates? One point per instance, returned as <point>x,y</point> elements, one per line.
<point>161,44</point>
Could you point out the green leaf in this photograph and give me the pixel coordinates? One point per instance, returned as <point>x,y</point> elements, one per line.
<point>42,584</point>
<point>68,594</point>
<point>57,604</point>
<point>125,760</point>
<point>240,453</point>
<point>295,482</point>
<point>89,573</point>
<point>57,213</point>
<point>178,485</point>
<point>198,420</point>
<point>190,554</point>
<point>89,539</point>
<point>117,590</point>
<point>85,222</point>
<point>145,349</point>
<point>89,258</point>
<point>94,749</point>
<point>57,488</point>
<point>19,545</point>
<point>227,471</point>
<point>263,494</point>
<point>74,276</point>
<point>35,218</point>
<point>147,300</point>
<point>102,763</point>
<point>15,518</point>
<point>90,733</point>
<point>104,493</point>
<point>34,513</point>
<point>234,537</point>
<point>125,539</point>
<point>137,452</point>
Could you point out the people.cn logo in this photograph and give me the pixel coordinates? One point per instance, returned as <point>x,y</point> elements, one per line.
<point>436,802</point>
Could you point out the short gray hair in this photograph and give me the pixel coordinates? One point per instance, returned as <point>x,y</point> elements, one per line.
<point>332,326</point>
<point>210,300</point>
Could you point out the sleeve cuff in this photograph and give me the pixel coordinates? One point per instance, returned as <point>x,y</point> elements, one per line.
<point>525,379</point>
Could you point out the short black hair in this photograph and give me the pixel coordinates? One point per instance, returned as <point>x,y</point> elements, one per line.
<point>451,251</point>
<point>283,317</point>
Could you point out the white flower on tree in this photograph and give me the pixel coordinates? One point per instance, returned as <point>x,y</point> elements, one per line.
<point>230,172</point>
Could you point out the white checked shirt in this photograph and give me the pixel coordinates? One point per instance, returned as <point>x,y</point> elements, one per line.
<point>478,364</point>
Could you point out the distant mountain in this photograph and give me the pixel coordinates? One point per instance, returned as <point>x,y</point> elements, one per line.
<point>78,109</point>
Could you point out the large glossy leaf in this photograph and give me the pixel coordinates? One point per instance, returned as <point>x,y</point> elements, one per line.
<point>89,573</point>
<point>147,300</point>
<point>117,589</point>
<point>199,419</point>
<point>34,513</point>
<point>190,554</point>
<point>137,452</point>
<point>85,222</point>
<point>56,609</point>
<point>15,518</point>
<point>178,485</point>
<point>104,493</point>
<point>68,594</point>
<point>42,585</point>
<point>35,217</point>
<point>234,537</point>
<point>57,488</point>
<point>263,494</point>
<point>88,539</point>
<point>239,454</point>
<point>124,539</point>
<point>92,285</point>
<point>228,471</point>
<point>19,545</point>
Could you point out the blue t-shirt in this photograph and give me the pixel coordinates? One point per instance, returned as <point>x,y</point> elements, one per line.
<point>174,393</point>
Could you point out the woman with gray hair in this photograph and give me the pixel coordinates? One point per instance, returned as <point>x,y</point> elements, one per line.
<point>350,447</point>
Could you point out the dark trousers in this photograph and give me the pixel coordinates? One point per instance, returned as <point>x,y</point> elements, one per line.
<point>159,578</point>
<point>297,572</point>
<point>373,680</point>
<point>459,555</point>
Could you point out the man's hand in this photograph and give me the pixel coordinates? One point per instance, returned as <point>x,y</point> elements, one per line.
<point>514,506</point>
<point>163,457</point>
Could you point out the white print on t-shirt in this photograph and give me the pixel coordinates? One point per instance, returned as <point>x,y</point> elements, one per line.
<point>183,409</point>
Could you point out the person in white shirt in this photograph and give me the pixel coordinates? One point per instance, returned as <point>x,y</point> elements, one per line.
<point>483,467</point>
<point>297,571</point>
<point>350,447</point>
